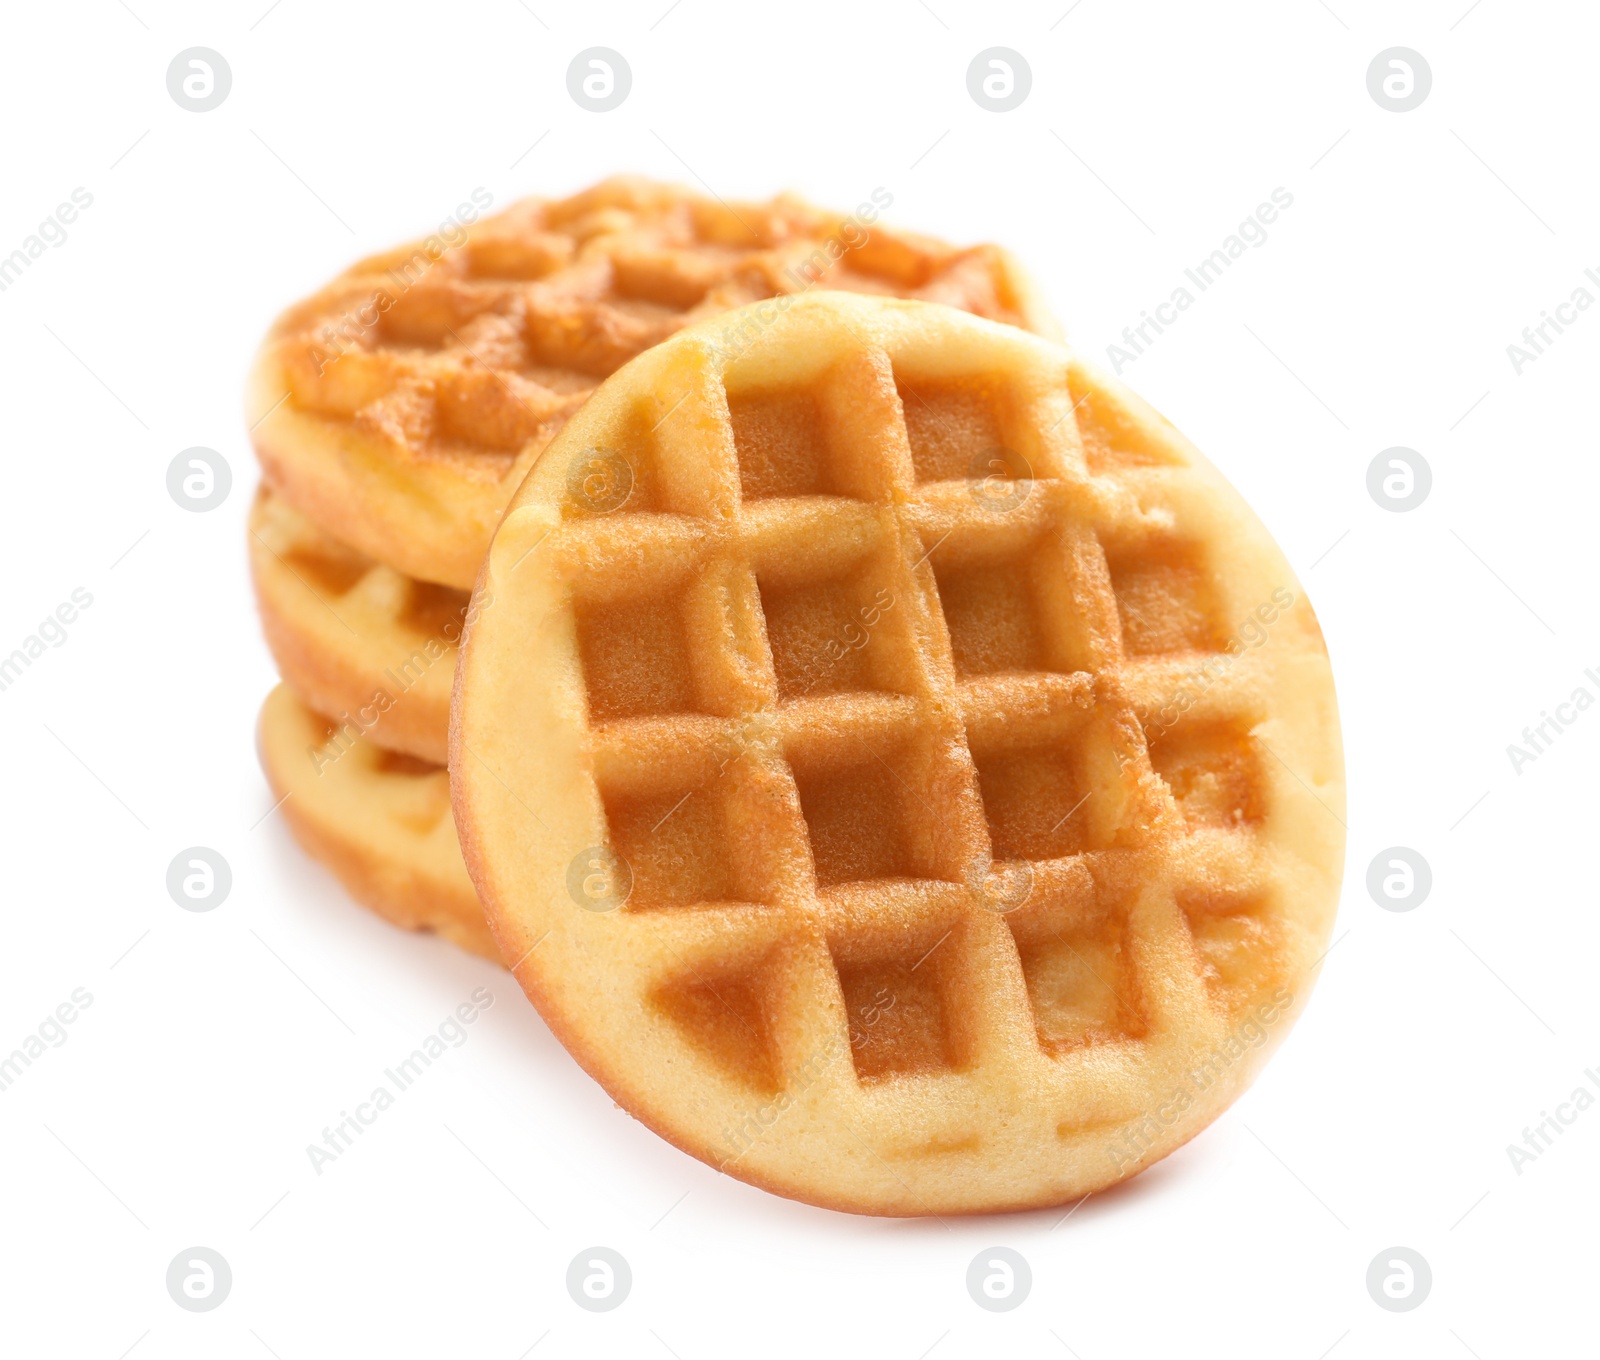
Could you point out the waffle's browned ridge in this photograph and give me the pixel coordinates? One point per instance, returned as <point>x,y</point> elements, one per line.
<point>400,406</point>
<point>379,820</point>
<point>961,747</point>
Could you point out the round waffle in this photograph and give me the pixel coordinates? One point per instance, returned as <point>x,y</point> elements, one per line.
<point>379,820</point>
<point>357,639</point>
<point>400,406</point>
<point>910,778</point>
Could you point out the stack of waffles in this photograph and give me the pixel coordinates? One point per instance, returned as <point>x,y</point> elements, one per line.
<point>891,758</point>
<point>397,410</point>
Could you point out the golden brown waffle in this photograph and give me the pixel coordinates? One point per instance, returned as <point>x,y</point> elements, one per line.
<point>359,641</point>
<point>380,821</point>
<point>400,407</point>
<point>921,792</point>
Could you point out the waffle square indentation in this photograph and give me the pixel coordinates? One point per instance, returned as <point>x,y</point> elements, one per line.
<point>725,1017</point>
<point>897,1018</point>
<point>1036,803</point>
<point>782,445</point>
<point>993,616</point>
<point>953,425</point>
<point>677,847</point>
<point>1237,940</point>
<point>635,658</point>
<point>835,634</point>
<point>1213,769</point>
<point>856,823</point>
<point>1082,983</point>
<point>1164,599</point>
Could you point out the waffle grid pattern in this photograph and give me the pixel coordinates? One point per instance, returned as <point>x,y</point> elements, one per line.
<point>402,405</point>
<point>1003,629</point>
<point>473,353</point>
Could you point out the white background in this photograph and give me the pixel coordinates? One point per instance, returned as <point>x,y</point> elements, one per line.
<point>1378,313</point>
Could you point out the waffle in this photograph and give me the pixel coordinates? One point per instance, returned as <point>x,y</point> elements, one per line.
<point>358,640</point>
<point>923,793</point>
<point>379,820</point>
<point>399,407</point>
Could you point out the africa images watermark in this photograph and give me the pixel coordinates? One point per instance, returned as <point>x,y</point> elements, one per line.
<point>1250,234</point>
<point>349,331</point>
<point>1251,1032</point>
<point>51,1031</point>
<point>450,1033</point>
<point>743,1136</point>
<point>759,1121</point>
<point>1541,736</point>
<point>1536,339</point>
<point>1536,1141</point>
<point>52,629</point>
<point>51,232</point>
<point>1250,634</point>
